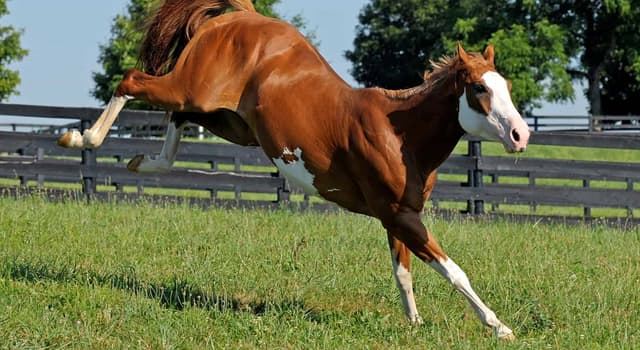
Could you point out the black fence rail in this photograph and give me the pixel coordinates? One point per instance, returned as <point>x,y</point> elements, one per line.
<point>134,123</point>
<point>581,123</point>
<point>216,173</point>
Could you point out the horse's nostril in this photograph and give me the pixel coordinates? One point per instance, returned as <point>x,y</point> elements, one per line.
<point>515,135</point>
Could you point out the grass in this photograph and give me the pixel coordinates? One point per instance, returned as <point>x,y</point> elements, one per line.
<point>101,276</point>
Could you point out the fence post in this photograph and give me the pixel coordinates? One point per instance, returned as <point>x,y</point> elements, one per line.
<point>476,206</point>
<point>40,156</point>
<point>630,188</point>
<point>89,162</point>
<point>587,210</point>
<point>284,192</point>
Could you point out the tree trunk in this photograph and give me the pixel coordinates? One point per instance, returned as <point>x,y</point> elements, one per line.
<point>594,93</point>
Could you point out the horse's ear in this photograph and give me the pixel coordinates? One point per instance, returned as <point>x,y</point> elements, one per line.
<point>464,56</point>
<point>489,54</point>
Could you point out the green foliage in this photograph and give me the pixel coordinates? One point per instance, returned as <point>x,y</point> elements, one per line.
<point>121,51</point>
<point>540,45</point>
<point>266,7</point>
<point>620,79</point>
<point>10,51</point>
<point>603,37</point>
<point>396,39</point>
<point>536,74</point>
<point>107,276</point>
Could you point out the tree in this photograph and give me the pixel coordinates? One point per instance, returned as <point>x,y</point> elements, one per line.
<point>541,45</point>
<point>10,51</point>
<point>121,52</point>
<point>396,38</point>
<point>602,36</point>
<point>620,87</point>
<point>620,80</point>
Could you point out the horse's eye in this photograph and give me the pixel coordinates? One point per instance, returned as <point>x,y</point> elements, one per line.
<point>479,88</point>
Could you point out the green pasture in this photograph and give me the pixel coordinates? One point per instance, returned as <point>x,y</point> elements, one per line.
<point>106,276</point>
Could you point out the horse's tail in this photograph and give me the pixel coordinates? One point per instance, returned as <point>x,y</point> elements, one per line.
<point>173,25</point>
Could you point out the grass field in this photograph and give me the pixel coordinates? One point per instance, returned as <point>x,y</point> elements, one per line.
<point>103,276</point>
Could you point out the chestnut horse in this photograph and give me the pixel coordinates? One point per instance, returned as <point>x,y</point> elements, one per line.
<point>255,80</point>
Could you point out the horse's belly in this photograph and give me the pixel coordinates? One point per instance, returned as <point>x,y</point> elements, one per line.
<point>291,165</point>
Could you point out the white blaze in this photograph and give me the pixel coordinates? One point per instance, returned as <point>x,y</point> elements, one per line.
<point>502,116</point>
<point>501,103</point>
<point>295,171</point>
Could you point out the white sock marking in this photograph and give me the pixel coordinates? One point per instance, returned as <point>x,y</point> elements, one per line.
<point>164,161</point>
<point>454,274</point>
<point>404,281</point>
<point>93,137</point>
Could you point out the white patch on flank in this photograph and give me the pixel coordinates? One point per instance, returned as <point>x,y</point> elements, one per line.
<point>405,285</point>
<point>295,171</point>
<point>287,152</point>
<point>459,280</point>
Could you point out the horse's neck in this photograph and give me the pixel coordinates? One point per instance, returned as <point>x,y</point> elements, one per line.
<point>429,121</point>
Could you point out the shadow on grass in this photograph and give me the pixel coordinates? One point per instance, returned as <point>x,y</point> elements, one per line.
<point>174,294</point>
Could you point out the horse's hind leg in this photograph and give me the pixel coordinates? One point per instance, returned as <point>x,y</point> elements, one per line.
<point>164,161</point>
<point>93,137</point>
<point>134,85</point>
<point>400,258</point>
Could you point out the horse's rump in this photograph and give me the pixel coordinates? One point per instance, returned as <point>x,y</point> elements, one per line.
<point>172,26</point>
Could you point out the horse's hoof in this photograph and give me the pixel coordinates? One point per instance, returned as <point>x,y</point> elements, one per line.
<point>135,162</point>
<point>416,321</point>
<point>504,333</point>
<point>507,337</point>
<point>71,139</point>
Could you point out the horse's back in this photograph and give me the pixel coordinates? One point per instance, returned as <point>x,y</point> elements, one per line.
<point>235,53</point>
<point>266,44</point>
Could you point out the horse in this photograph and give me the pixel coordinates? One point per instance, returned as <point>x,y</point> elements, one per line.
<point>255,80</point>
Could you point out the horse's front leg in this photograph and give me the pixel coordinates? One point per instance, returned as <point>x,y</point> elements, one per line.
<point>419,240</point>
<point>448,269</point>
<point>164,161</point>
<point>400,259</point>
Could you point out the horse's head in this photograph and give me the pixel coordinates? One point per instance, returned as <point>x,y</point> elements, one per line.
<point>486,109</point>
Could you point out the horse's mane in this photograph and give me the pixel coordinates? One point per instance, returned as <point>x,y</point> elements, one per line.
<point>440,69</point>
<point>172,26</point>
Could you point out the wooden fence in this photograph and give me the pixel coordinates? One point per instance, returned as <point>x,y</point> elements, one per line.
<point>244,175</point>
<point>581,123</point>
<point>148,124</point>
